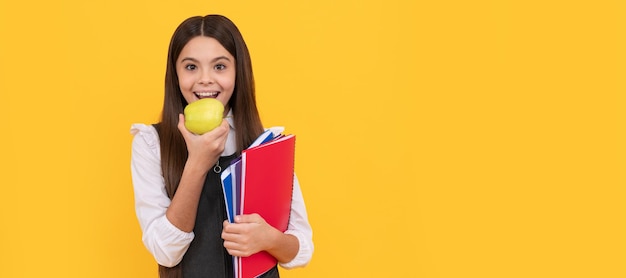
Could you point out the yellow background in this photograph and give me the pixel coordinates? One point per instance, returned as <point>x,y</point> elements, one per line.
<point>435,138</point>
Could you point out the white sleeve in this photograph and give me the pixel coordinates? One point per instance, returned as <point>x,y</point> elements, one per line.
<point>165,241</point>
<point>300,228</point>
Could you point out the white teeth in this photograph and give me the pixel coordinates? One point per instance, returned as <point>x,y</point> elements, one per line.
<point>206,94</point>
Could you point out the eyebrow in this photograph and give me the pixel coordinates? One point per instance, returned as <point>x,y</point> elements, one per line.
<point>212,61</point>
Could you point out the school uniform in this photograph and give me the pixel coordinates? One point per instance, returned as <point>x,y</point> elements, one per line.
<point>201,252</point>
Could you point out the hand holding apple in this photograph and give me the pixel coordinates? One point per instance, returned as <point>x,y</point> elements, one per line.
<point>203,115</point>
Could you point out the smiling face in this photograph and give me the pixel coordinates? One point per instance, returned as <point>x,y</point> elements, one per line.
<point>206,69</point>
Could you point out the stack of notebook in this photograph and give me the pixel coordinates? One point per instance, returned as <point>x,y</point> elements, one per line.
<point>261,181</point>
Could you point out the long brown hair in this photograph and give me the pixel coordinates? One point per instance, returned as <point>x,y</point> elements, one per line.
<point>243,101</point>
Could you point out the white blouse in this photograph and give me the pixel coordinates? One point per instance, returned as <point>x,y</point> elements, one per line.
<point>165,241</point>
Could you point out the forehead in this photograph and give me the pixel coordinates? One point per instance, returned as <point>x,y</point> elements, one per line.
<point>202,47</point>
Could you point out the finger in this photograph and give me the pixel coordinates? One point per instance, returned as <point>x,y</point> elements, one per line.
<point>181,125</point>
<point>232,251</point>
<point>238,249</point>
<point>231,229</point>
<point>228,227</point>
<point>239,253</point>
<point>222,129</point>
<point>225,124</point>
<point>248,218</point>
<point>229,237</point>
<point>233,244</point>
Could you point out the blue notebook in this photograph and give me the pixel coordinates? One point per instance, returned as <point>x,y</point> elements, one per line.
<point>231,178</point>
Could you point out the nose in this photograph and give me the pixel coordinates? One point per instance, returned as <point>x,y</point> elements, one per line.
<point>205,77</point>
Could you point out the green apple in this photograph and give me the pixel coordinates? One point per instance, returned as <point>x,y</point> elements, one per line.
<point>203,115</point>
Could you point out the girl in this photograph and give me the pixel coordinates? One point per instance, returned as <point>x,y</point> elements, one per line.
<point>178,194</point>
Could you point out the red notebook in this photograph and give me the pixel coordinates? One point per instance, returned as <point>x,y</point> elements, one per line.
<point>266,189</point>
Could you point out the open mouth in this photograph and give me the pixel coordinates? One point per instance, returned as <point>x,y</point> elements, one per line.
<point>201,95</point>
